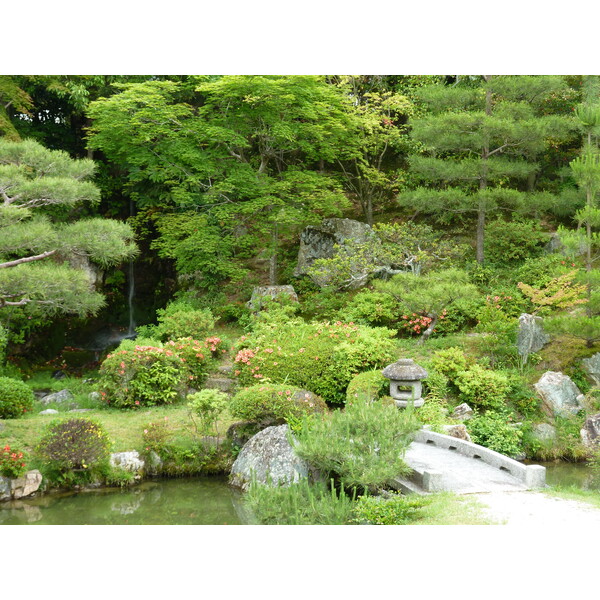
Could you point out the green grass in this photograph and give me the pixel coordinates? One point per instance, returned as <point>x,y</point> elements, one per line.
<point>575,493</point>
<point>446,508</point>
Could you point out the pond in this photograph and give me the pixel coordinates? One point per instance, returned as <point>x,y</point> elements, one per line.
<point>194,501</point>
<point>567,474</point>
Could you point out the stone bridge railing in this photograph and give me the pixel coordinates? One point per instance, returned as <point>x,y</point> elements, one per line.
<point>532,476</point>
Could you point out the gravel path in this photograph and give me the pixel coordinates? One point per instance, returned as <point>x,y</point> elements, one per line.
<point>537,509</point>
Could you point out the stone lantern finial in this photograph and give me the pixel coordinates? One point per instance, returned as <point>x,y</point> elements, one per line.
<point>405,382</point>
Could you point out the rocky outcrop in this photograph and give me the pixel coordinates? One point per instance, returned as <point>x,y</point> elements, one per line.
<point>20,487</point>
<point>58,397</point>
<point>544,432</point>
<point>270,291</point>
<point>560,396</point>
<point>270,459</point>
<point>318,242</point>
<point>531,336</point>
<point>591,366</point>
<point>590,432</point>
<point>129,461</point>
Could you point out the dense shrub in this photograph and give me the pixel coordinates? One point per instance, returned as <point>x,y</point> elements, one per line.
<point>12,462</point>
<point>449,362</point>
<point>152,374</point>
<point>538,272</point>
<point>436,384</point>
<point>483,387</point>
<point>367,387</point>
<point>495,431</point>
<point>178,320</point>
<point>509,242</point>
<point>15,398</point>
<point>320,357</point>
<point>71,444</point>
<point>362,445</point>
<point>372,308</point>
<point>267,402</point>
<point>393,510</point>
<point>299,503</point>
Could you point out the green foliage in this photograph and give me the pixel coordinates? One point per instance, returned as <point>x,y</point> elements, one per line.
<point>179,320</point>
<point>538,272</point>
<point>433,413</point>
<point>12,462</point>
<point>367,387</point>
<point>495,431</point>
<point>436,384</point>
<point>449,362</point>
<point>73,444</point>
<point>511,242</point>
<point>266,402</point>
<point>361,445</point>
<point>371,308</point>
<point>394,509</point>
<point>208,405</point>
<point>320,357</point>
<point>299,503</point>
<point>15,398</point>
<point>482,387</point>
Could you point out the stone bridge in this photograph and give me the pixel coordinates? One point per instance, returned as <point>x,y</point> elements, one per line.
<point>443,463</point>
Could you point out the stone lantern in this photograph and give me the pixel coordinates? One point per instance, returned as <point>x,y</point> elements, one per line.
<point>405,382</point>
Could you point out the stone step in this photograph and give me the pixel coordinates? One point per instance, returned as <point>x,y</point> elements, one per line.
<point>219,383</point>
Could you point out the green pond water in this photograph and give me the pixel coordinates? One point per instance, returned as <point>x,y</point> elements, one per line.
<point>196,501</point>
<point>567,474</point>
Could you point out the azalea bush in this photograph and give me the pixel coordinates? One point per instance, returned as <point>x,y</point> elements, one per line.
<point>150,374</point>
<point>483,387</point>
<point>320,357</point>
<point>15,398</point>
<point>12,462</point>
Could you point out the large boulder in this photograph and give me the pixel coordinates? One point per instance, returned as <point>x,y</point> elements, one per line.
<point>270,291</point>
<point>463,412</point>
<point>560,396</point>
<point>270,458</point>
<point>591,366</point>
<point>129,461</point>
<point>318,242</point>
<point>531,336</point>
<point>590,432</point>
<point>544,432</point>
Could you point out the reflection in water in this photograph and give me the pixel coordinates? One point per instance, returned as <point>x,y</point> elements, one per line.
<point>198,501</point>
<point>571,474</point>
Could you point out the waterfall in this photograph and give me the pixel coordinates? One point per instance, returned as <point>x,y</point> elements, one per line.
<point>131,330</point>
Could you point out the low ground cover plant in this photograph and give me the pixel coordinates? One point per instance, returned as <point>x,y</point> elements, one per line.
<point>15,398</point>
<point>395,509</point>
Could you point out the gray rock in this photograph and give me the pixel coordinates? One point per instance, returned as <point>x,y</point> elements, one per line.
<point>58,397</point>
<point>463,412</point>
<point>591,366</point>
<point>95,396</point>
<point>154,463</point>
<point>590,432</point>
<point>560,396</point>
<point>531,336</point>
<point>130,461</point>
<point>269,457</point>
<point>270,291</point>
<point>457,431</point>
<point>49,411</point>
<point>319,242</point>
<point>80,410</point>
<point>13,489</point>
<point>223,384</point>
<point>544,432</point>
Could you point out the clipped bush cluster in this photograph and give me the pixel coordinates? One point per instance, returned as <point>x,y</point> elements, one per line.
<point>73,444</point>
<point>15,398</point>
<point>148,375</point>
<point>367,387</point>
<point>495,431</point>
<point>320,357</point>
<point>449,362</point>
<point>12,462</point>
<point>483,387</point>
<point>274,402</point>
<point>372,308</point>
<point>180,319</point>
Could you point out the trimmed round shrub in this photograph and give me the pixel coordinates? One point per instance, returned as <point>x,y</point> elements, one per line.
<point>73,444</point>
<point>181,319</point>
<point>367,387</point>
<point>483,387</point>
<point>15,398</point>
<point>449,362</point>
<point>320,357</point>
<point>266,402</point>
<point>372,308</point>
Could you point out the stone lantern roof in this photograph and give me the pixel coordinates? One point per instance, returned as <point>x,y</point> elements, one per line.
<point>404,369</point>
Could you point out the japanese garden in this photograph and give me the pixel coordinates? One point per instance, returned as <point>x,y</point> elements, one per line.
<point>275,299</point>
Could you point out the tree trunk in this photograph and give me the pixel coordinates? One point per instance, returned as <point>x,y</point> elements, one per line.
<point>273,259</point>
<point>483,181</point>
<point>427,333</point>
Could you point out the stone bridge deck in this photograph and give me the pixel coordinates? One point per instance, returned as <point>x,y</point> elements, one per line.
<point>443,463</point>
